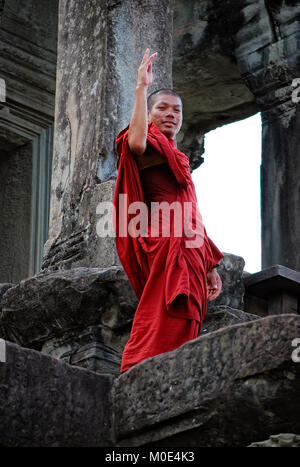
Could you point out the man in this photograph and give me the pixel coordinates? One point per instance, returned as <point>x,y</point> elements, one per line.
<point>173,275</point>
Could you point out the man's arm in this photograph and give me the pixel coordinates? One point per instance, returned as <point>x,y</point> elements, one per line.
<point>138,127</point>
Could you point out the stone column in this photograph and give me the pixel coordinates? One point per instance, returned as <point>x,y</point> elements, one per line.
<point>280,180</point>
<point>270,65</point>
<point>100,46</point>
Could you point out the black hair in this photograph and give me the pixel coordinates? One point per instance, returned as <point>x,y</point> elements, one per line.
<point>152,97</point>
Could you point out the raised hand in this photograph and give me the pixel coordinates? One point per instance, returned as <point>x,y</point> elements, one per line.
<point>145,76</point>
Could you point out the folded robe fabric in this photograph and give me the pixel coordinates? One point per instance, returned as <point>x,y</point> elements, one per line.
<point>167,273</point>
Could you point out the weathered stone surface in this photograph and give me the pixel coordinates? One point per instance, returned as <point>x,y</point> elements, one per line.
<point>84,315</point>
<point>280,189</point>
<point>28,43</point>
<point>63,254</point>
<point>95,357</point>
<point>231,272</point>
<point>269,68</point>
<point>221,316</point>
<point>28,65</point>
<point>83,304</point>
<point>282,440</point>
<point>3,288</point>
<point>230,60</point>
<point>44,402</point>
<point>205,72</point>
<point>16,212</point>
<point>228,388</point>
<point>239,58</point>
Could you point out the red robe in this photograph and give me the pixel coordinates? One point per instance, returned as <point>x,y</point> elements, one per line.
<point>166,273</point>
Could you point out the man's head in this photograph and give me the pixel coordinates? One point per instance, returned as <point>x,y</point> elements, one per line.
<point>165,110</point>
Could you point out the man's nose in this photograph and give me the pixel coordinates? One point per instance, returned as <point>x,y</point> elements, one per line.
<point>170,113</point>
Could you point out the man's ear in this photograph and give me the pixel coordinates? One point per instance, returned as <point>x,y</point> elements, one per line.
<point>148,115</point>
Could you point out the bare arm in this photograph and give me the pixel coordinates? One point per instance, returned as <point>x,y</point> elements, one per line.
<point>137,134</point>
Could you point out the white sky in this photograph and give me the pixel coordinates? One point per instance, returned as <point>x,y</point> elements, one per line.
<point>228,189</point>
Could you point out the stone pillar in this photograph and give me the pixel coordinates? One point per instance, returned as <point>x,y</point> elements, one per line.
<point>280,182</point>
<point>270,65</point>
<point>100,46</point>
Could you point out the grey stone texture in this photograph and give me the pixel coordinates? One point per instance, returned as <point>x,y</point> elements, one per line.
<point>48,403</point>
<point>269,68</point>
<point>28,42</point>
<point>282,440</point>
<point>3,288</point>
<point>80,314</point>
<point>231,271</point>
<point>221,316</point>
<point>228,308</point>
<point>228,388</point>
<point>205,72</point>
<point>239,58</point>
<point>15,208</point>
<point>84,315</point>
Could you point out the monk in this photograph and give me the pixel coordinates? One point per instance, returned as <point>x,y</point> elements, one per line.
<point>173,274</point>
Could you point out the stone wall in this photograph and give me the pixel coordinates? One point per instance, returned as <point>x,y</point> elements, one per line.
<point>230,388</point>
<point>28,40</point>
<point>44,402</point>
<point>15,208</point>
<point>224,389</point>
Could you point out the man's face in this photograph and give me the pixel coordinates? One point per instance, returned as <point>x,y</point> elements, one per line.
<point>166,113</point>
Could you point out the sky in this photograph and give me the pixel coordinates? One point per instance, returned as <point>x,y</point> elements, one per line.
<point>228,189</point>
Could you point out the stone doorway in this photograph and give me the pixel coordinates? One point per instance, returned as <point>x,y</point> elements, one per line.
<point>25,179</point>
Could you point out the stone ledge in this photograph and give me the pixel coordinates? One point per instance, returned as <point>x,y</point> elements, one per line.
<point>51,304</point>
<point>218,317</point>
<point>282,440</point>
<point>227,388</point>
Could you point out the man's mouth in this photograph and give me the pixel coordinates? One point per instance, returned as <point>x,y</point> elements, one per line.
<point>167,122</point>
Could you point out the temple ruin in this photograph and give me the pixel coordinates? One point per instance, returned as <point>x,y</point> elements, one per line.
<point>67,85</point>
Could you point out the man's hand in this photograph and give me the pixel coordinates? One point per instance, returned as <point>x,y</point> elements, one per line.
<point>138,127</point>
<point>145,76</point>
<point>214,285</point>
